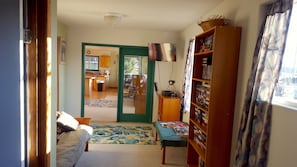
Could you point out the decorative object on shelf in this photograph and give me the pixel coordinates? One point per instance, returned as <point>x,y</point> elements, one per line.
<point>206,44</point>
<point>216,20</point>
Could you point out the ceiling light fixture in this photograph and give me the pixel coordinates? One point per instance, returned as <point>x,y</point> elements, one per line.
<point>113,18</point>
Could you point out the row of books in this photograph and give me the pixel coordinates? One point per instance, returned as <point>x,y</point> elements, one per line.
<point>202,95</point>
<point>200,138</point>
<point>206,68</point>
<point>201,117</point>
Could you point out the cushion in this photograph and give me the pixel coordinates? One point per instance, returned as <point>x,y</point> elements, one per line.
<point>66,122</point>
<point>87,128</point>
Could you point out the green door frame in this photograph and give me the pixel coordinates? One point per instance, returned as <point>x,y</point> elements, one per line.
<point>125,50</point>
<point>147,117</point>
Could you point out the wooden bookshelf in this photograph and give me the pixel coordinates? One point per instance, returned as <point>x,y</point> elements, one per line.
<point>213,96</point>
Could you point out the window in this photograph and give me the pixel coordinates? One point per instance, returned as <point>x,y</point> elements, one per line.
<point>92,63</point>
<point>285,92</point>
<point>135,65</point>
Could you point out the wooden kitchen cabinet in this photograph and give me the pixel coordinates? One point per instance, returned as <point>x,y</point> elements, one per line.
<point>169,108</point>
<point>104,61</point>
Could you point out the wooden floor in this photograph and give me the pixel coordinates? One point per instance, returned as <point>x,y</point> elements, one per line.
<point>102,94</point>
<point>107,114</point>
<point>98,113</point>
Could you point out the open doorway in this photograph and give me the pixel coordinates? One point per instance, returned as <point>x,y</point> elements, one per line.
<point>100,82</point>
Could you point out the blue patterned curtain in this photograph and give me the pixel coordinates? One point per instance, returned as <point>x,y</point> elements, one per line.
<point>254,131</point>
<point>186,94</point>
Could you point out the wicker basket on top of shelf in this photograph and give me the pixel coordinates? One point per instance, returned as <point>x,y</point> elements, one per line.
<point>206,25</point>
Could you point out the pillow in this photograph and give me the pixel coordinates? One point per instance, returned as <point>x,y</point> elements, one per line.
<point>66,122</point>
<point>87,128</point>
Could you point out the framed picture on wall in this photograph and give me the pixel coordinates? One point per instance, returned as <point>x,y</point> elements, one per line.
<point>63,52</point>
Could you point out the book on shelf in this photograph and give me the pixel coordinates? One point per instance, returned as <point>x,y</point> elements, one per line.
<point>206,68</point>
<point>201,117</point>
<point>202,95</point>
<point>199,138</point>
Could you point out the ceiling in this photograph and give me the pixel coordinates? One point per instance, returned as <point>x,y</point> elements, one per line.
<point>161,15</point>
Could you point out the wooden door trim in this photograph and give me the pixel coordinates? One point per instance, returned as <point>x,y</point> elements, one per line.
<point>43,32</point>
<point>31,53</point>
<point>37,74</point>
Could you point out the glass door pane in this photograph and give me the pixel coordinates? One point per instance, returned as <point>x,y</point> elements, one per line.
<point>135,79</point>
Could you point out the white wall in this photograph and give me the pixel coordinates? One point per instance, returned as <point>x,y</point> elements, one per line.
<point>77,35</point>
<point>247,14</point>
<point>62,32</point>
<point>10,101</point>
<point>283,149</point>
<point>53,69</point>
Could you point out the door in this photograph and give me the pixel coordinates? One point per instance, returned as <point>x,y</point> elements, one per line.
<point>135,93</point>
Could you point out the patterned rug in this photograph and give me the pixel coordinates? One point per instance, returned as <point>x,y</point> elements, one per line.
<point>110,103</point>
<point>119,134</point>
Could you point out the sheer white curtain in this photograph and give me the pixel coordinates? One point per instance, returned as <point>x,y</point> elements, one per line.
<point>186,94</point>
